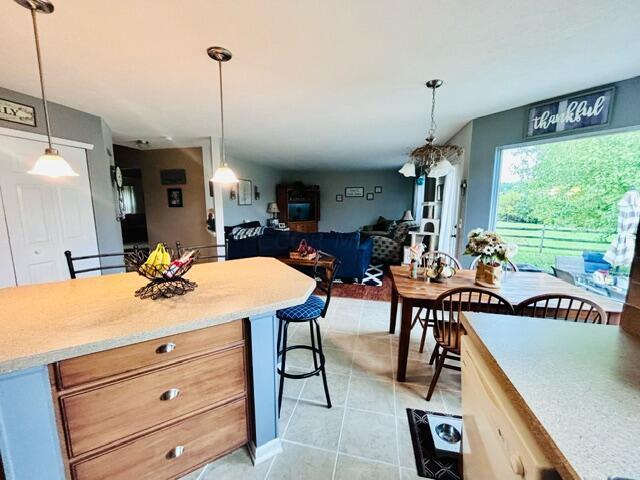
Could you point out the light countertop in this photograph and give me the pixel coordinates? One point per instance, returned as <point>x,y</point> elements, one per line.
<point>576,385</point>
<point>42,324</point>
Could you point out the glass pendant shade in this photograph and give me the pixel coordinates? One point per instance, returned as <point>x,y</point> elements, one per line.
<point>51,164</point>
<point>441,169</point>
<point>224,175</point>
<point>408,170</point>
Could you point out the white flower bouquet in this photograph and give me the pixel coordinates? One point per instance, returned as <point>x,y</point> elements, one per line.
<point>490,247</point>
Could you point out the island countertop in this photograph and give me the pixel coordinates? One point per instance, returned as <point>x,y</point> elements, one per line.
<point>576,385</point>
<point>46,323</point>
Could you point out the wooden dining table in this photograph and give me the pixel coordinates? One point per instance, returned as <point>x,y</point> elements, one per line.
<point>516,287</point>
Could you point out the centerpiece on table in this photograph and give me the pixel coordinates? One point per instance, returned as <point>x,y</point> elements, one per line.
<point>436,270</point>
<point>415,258</point>
<point>493,251</point>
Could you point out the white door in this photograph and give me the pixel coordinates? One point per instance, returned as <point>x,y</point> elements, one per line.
<point>45,216</point>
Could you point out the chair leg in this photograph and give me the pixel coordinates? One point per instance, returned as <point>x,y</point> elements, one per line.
<point>425,327</point>
<point>283,365</point>
<point>322,369</point>
<point>313,345</point>
<point>280,322</point>
<point>436,375</point>
<point>434,354</point>
<point>416,318</point>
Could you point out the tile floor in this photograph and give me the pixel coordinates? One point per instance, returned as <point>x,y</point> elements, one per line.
<point>365,435</point>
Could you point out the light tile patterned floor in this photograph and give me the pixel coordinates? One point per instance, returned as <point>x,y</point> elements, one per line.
<point>365,435</point>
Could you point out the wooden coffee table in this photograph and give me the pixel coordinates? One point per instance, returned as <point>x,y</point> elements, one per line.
<point>323,262</point>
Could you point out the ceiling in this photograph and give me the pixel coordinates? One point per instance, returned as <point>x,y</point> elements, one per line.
<point>315,84</point>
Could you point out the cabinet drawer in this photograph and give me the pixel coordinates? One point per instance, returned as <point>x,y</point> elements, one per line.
<point>104,415</point>
<point>96,366</point>
<point>203,437</point>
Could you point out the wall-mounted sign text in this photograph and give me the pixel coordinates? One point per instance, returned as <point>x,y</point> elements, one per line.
<point>17,113</point>
<point>571,113</point>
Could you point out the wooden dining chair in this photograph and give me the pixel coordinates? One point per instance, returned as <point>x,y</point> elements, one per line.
<point>447,329</point>
<point>508,266</point>
<point>560,306</point>
<point>423,316</point>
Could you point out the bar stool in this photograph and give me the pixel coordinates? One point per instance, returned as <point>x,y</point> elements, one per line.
<point>312,309</point>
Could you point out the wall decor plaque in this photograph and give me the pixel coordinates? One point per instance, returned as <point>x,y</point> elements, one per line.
<point>354,192</point>
<point>591,109</point>
<point>17,113</point>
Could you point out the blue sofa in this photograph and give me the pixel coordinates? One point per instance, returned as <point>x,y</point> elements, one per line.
<point>354,255</point>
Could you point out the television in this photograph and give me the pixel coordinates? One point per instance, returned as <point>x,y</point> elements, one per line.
<point>300,212</point>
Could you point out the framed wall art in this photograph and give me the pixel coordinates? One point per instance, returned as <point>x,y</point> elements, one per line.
<point>354,192</point>
<point>245,192</point>
<point>174,197</point>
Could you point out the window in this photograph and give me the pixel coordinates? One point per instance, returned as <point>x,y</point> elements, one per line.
<point>563,204</point>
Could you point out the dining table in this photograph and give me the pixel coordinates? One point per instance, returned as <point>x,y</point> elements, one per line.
<point>515,287</point>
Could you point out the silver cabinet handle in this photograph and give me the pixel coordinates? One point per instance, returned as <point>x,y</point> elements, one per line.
<point>170,394</point>
<point>166,348</point>
<point>175,452</point>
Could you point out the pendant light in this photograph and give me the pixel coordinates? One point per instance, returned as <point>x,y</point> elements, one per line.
<point>430,159</point>
<point>51,164</point>
<point>223,173</point>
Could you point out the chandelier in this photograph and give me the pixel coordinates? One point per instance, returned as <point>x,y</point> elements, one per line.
<point>430,159</point>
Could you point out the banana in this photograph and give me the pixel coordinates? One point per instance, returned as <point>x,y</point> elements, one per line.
<point>150,266</point>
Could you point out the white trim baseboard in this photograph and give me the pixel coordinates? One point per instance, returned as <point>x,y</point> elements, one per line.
<point>10,132</point>
<point>264,452</point>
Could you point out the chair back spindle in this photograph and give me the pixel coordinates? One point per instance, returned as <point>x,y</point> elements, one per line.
<point>560,306</point>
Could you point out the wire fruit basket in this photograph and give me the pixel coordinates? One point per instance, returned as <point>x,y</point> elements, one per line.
<point>164,282</point>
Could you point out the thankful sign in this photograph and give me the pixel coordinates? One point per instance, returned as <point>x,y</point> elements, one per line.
<point>570,113</point>
<point>17,113</point>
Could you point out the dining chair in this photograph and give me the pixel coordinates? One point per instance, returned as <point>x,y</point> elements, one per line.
<point>508,266</point>
<point>74,272</point>
<point>560,306</point>
<point>447,329</point>
<point>211,248</point>
<point>426,321</point>
<point>309,312</point>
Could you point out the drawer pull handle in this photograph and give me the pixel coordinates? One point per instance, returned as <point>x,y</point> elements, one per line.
<point>175,452</point>
<point>516,465</point>
<point>170,394</point>
<point>166,348</point>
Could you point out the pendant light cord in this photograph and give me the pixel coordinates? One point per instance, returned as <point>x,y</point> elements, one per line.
<point>44,95</point>
<point>224,157</point>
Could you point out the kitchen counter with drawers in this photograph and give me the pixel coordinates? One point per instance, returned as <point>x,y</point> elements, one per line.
<point>96,383</point>
<point>549,399</point>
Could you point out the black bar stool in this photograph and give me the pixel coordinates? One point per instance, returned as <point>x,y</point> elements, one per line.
<point>309,311</point>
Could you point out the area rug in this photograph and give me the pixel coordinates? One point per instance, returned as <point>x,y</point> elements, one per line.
<point>372,276</point>
<point>362,291</point>
<point>430,465</point>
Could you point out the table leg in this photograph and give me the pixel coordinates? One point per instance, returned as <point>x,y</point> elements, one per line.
<point>394,309</point>
<point>405,336</point>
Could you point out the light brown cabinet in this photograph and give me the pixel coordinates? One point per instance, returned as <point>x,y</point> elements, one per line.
<point>156,409</point>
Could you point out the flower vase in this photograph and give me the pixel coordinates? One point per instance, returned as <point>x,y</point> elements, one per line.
<point>489,276</point>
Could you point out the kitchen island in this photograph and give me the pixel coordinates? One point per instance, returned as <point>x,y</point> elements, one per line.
<point>95,382</point>
<point>549,399</point>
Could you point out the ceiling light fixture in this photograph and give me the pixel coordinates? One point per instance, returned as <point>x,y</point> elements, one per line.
<point>142,144</point>
<point>223,173</point>
<point>51,164</point>
<point>430,159</point>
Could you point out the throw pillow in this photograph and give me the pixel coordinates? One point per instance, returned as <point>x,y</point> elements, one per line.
<point>240,233</point>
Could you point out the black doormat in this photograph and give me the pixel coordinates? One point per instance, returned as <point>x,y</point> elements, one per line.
<point>429,464</point>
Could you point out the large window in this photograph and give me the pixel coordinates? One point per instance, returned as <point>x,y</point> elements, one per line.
<point>561,203</point>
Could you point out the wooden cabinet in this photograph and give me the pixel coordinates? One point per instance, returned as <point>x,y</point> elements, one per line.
<point>134,403</point>
<point>497,441</point>
<point>299,206</point>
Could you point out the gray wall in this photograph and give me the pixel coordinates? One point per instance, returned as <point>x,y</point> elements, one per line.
<point>73,124</point>
<point>507,128</point>
<point>265,178</point>
<point>353,213</point>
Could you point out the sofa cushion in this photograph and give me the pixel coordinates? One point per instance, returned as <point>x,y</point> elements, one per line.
<point>239,233</point>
